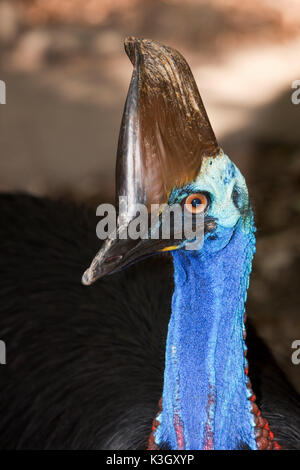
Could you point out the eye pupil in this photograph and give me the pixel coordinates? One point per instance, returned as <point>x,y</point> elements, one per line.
<point>196,202</point>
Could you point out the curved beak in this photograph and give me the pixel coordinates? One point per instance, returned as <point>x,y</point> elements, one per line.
<point>165,135</point>
<point>116,255</point>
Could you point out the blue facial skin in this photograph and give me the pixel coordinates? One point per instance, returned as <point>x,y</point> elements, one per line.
<point>205,399</point>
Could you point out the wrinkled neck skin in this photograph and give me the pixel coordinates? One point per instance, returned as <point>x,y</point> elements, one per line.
<point>205,398</point>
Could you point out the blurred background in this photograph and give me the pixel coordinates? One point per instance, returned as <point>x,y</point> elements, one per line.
<point>67,77</point>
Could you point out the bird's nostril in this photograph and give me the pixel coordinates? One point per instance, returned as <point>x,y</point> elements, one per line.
<point>112,259</point>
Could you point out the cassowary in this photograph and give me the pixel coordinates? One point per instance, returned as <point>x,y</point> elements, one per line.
<point>152,356</point>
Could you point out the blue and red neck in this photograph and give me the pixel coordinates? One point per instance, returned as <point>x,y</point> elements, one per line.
<point>206,401</point>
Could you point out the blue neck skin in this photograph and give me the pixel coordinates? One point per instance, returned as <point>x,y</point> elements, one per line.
<point>205,399</point>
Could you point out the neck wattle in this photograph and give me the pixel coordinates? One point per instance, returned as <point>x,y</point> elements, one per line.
<point>206,402</point>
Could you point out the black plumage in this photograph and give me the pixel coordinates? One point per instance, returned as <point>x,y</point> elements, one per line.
<point>85,364</point>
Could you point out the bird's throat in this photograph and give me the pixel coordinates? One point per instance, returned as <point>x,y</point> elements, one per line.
<point>206,402</point>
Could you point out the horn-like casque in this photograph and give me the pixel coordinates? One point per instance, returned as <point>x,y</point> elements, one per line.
<point>165,131</point>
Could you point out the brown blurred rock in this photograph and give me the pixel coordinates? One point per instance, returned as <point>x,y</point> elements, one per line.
<point>9,21</point>
<point>31,50</point>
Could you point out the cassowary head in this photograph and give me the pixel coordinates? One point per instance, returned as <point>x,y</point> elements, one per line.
<point>168,156</point>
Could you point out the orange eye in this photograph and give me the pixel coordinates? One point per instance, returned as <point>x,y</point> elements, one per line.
<point>196,203</point>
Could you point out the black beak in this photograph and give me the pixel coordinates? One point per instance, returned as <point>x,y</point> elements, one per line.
<point>116,255</point>
<point>165,135</point>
